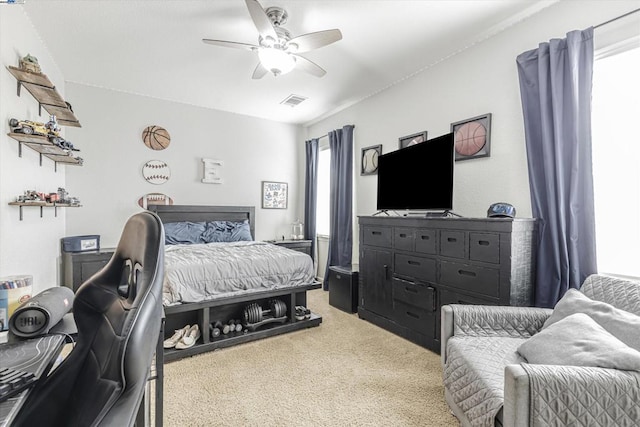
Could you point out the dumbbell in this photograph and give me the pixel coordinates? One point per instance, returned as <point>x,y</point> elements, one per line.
<point>253,313</point>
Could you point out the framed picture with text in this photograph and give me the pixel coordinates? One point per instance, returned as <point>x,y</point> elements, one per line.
<point>274,195</point>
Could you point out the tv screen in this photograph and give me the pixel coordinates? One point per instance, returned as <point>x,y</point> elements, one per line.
<point>418,177</point>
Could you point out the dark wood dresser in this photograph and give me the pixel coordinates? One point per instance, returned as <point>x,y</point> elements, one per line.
<point>410,267</point>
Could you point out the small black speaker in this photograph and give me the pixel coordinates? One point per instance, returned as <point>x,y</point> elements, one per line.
<point>37,315</point>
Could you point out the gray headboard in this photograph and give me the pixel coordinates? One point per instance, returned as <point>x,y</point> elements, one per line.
<point>196,213</point>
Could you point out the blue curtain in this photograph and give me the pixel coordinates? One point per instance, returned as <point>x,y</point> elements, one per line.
<point>555,87</point>
<point>340,199</point>
<point>311,192</point>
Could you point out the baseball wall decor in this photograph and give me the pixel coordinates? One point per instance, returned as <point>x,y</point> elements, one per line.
<point>472,137</point>
<point>156,172</point>
<point>414,139</point>
<point>369,161</point>
<point>156,137</point>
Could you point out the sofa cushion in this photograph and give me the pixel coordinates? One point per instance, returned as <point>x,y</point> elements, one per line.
<point>619,323</point>
<point>577,340</point>
<point>474,374</point>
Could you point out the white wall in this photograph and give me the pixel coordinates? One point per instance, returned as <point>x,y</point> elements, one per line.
<point>482,79</point>
<point>30,246</point>
<point>110,182</point>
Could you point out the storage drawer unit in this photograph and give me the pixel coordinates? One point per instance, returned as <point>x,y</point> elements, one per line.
<point>410,267</point>
<point>77,267</point>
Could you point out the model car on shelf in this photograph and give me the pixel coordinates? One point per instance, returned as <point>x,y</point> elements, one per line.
<point>50,129</point>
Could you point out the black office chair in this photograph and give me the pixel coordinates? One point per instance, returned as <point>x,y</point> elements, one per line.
<point>118,312</point>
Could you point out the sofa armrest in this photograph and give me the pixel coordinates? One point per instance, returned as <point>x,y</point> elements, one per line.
<point>488,321</point>
<point>537,395</point>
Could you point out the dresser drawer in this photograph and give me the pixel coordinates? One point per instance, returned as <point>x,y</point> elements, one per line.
<point>403,239</point>
<point>415,294</point>
<point>377,236</point>
<point>414,266</point>
<point>452,243</point>
<point>481,280</point>
<point>426,241</point>
<point>484,247</point>
<point>414,318</point>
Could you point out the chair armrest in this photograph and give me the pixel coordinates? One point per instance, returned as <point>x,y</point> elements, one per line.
<point>574,395</point>
<point>489,321</point>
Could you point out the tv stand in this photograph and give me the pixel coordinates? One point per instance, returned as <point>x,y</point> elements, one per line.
<point>444,214</point>
<point>382,211</point>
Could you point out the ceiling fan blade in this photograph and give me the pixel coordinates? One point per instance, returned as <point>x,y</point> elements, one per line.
<point>235,45</point>
<point>310,67</point>
<point>259,72</point>
<point>307,42</point>
<point>261,20</point>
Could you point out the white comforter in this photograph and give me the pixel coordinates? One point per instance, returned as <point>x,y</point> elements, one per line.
<point>199,272</point>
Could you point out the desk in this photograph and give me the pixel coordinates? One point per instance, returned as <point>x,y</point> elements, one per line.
<point>35,355</point>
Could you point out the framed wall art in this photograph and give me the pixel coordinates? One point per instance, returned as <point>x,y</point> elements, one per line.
<point>472,137</point>
<point>369,160</point>
<point>414,139</point>
<point>274,195</point>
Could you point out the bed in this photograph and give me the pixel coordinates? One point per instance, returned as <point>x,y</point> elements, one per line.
<point>211,277</point>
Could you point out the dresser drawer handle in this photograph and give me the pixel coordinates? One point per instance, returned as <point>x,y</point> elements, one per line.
<point>413,262</point>
<point>425,237</point>
<point>410,314</point>
<point>410,290</point>
<point>466,273</point>
<point>483,243</point>
<point>377,233</point>
<point>402,235</point>
<point>452,239</point>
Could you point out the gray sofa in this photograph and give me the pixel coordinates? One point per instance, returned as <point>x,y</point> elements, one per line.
<point>488,383</point>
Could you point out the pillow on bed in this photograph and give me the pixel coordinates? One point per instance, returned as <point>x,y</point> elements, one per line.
<point>183,232</point>
<point>227,231</point>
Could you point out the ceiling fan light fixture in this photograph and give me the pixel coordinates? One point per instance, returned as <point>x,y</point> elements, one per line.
<point>276,60</point>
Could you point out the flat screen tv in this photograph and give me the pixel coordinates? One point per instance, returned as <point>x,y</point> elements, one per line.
<point>418,177</point>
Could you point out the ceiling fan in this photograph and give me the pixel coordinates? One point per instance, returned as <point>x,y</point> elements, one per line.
<point>277,50</point>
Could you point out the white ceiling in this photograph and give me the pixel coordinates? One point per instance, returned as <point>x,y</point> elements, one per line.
<point>154,48</point>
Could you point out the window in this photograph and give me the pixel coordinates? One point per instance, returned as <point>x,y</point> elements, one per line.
<point>322,207</point>
<point>616,162</point>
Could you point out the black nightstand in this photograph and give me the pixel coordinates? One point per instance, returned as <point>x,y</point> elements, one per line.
<point>303,246</point>
<point>79,266</point>
<point>343,287</point>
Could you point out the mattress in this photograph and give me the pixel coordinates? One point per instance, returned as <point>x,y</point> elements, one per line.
<point>207,271</point>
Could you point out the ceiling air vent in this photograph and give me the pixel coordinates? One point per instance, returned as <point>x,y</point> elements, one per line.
<point>293,100</point>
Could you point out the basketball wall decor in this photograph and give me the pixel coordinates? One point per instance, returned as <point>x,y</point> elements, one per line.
<point>156,172</point>
<point>472,137</point>
<point>156,137</point>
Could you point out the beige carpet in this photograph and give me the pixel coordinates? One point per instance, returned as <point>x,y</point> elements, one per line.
<point>346,372</point>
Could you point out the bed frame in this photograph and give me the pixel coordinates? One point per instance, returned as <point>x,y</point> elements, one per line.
<point>223,309</point>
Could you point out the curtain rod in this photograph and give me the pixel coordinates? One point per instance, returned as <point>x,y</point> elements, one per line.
<point>327,135</point>
<point>616,18</point>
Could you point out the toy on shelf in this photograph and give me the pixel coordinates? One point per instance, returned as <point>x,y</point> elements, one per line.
<point>61,197</point>
<point>30,63</point>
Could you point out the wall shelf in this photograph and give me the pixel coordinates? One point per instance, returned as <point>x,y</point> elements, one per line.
<point>43,90</point>
<point>46,148</point>
<point>43,205</point>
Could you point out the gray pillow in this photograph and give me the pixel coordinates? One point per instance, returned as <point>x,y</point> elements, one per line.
<point>621,324</point>
<point>577,340</point>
